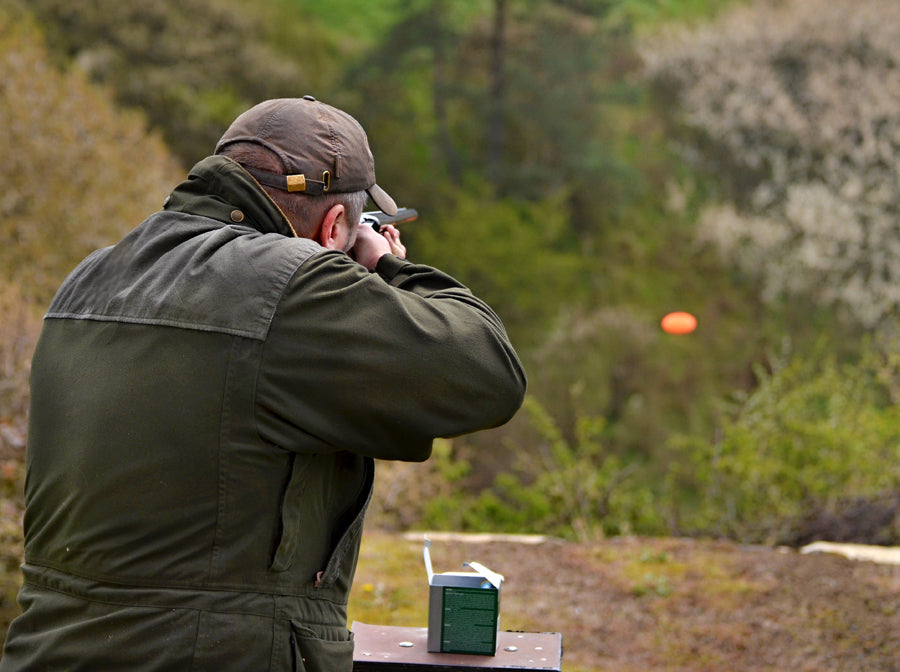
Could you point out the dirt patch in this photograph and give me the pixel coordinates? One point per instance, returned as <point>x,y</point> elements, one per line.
<point>637,604</point>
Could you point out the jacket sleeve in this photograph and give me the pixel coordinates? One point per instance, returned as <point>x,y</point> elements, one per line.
<point>382,363</point>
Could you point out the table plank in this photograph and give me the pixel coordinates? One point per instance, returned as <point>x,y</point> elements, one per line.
<point>387,648</point>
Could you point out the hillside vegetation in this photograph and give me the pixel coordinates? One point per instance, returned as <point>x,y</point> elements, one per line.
<point>586,167</point>
<point>78,170</point>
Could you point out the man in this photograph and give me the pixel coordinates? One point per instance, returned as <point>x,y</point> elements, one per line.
<point>208,396</point>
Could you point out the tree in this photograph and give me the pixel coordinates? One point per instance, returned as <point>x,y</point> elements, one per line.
<point>794,109</point>
<point>498,91</point>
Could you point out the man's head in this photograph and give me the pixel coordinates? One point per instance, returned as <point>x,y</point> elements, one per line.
<point>310,157</point>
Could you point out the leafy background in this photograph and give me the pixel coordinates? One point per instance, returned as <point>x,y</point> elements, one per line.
<point>584,165</point>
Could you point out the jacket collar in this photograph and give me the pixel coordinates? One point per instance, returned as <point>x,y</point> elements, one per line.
<point>219,188</point>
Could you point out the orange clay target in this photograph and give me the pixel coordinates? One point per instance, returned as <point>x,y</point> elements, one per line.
<point>678,323</point>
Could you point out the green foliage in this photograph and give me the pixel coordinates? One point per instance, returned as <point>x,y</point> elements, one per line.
<point>362,22</point>
<point>814,432</point>
<point>500,247</point>
<point>468,100</point>
<point>573,489</point>
<point>649,14</point>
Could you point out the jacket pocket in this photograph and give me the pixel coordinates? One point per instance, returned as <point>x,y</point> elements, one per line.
<point>290,516</point>
<point>342,562</point>
<point>312,654</point>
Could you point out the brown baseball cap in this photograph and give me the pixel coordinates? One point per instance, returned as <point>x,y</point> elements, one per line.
<point>323,149</point>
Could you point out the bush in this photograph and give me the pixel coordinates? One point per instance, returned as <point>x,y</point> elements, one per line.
<point>572,489</point>
<point>76,174</point>
<point>814,434</point>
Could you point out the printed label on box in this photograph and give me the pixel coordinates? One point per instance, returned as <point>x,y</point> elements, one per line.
<point>463,609</point>
<point>470,620</point>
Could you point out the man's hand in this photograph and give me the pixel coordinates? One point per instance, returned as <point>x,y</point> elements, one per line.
<point>371,246</point>
<point>390,232</point>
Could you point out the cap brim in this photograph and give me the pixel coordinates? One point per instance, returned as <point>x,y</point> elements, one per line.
<point>384,202</point>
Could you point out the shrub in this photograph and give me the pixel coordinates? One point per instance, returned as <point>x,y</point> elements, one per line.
<point>574,489</point>
<point>76,174</point>
<point>815,433</point>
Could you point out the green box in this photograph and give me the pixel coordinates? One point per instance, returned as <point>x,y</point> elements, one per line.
<point>463,609</point>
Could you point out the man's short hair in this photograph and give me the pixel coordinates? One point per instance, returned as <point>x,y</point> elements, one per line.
<point>304,211</point>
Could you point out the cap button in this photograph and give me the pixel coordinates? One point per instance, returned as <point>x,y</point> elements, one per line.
<point>309,97</point>
<point>237,216</point>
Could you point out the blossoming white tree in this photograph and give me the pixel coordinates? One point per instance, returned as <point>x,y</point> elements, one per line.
<point>796,105</point>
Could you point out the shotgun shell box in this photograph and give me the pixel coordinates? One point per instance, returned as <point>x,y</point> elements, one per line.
<point>463,609</point>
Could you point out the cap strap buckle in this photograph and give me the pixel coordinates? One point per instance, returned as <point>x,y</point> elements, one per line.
<point>295,182</point>
<point>292,183</point>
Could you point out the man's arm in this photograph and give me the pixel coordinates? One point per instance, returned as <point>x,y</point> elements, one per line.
<point>382,363</point>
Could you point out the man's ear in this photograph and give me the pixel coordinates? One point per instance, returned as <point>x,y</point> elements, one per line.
<point>333,228</point>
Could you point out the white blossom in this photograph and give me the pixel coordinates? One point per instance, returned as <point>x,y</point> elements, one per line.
<point>799,105</point>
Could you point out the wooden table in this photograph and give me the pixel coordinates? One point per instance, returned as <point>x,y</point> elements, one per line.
<point>387,648</point>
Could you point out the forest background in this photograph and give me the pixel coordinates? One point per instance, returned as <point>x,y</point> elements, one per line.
<point>584,165</point>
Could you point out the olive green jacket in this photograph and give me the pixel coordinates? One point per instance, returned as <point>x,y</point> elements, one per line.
<point>208,396</point>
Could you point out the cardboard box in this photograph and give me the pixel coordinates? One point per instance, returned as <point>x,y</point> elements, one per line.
<point>463,609</point>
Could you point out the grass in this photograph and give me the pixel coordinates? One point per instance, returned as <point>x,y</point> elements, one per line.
<point>391,586</point>
<point>659,604</point>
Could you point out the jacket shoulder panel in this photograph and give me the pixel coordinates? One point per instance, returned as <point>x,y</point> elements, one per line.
<point>189,272</point>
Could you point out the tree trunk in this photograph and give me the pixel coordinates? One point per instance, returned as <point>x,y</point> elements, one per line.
<point>498,92</point>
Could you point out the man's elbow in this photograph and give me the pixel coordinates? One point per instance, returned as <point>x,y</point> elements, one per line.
<point>516,394</point>
<point>509,395</point>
